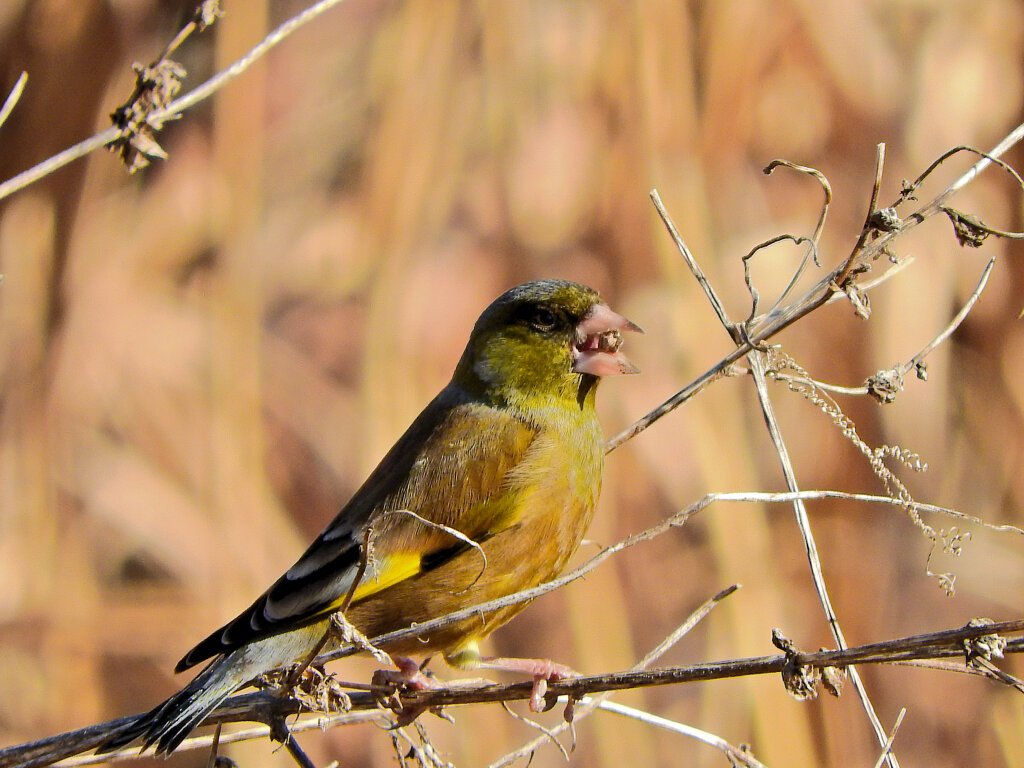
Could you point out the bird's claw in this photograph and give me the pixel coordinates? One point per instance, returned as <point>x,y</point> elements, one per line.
<point>546,671</point>
<point>408,676</point>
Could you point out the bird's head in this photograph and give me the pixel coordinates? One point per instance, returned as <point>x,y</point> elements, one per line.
<point>544,338</point>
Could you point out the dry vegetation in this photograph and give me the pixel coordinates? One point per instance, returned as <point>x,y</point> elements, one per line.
<point>200,362</point>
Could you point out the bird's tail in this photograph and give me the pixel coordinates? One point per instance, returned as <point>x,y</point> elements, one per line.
<point>169,723</point>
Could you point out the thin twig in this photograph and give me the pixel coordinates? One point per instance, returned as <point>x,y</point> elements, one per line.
<point>13,97</point>
<point>691,262</point>
<point>426,755</point>
<point>987,158</point>
<point>869,226</point>
<point>819,228</point>
<point>887,747</point>
<point>757,365</point>
<point>319,722</point>
<point>955,322</point>
<point>899,371</point>
<point>587,708</point>
<point>833,388</point>
<point>455,533</point>
<point>215,747</point>
<point>815,297</point>
<point>996,152</point>
<point>735,754</point>
<point>548,735</point>
<point>297,753</point>
<point>867,285</point>
<point>755,297</point>
<point>813,495</point>
<point>190,99</point>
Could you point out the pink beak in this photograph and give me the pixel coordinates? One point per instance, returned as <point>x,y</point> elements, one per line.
<point>598,338</point>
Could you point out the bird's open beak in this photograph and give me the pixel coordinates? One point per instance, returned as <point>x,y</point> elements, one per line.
<point>598,338</point>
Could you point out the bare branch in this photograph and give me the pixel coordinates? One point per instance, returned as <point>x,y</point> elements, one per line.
<point>834,282</point>
<point>869,219</point>
<point>945,644</point>
<point>887,747</point>
<point>588,707</point>
<point>13,97</point>
<point>175,108</point>
<point>819,228</point>
<point>757,364</point>
<point>955,323</point>
<point>735,754</point>
<point>691,262</point>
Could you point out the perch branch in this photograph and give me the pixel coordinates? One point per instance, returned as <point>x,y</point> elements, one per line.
<point>945,644</point>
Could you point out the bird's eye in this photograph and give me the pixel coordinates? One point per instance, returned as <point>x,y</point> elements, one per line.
<point>542,318</point>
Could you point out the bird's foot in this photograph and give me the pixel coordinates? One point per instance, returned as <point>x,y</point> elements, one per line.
<point>409,675</point>
<point>543,671</point>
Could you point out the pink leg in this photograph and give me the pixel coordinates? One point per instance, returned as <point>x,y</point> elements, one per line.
<point>407,673</point>
<point>542,670</point>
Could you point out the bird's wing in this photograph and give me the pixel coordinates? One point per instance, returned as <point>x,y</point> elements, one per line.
<point>448,470</point>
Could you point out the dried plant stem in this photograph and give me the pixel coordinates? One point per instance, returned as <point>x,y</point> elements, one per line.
<point>757,364</point>
<point>58,161</point>
<point>190,99</point>
<point>318,723</point>
<point>585,708</point>
<point>818,494</point>
<point>758,367</point>
<point>819,228</point>
<point>827,287</point>
<point>262,706</point>
<point>887,747</point>
<point>868,227</point>
<point>955,322</point>
<point>298,755</point>
<point>691,262</point>
<point>12,98</point>
<point>736,755</point>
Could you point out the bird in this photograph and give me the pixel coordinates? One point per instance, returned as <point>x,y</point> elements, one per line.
<point>488,492</point>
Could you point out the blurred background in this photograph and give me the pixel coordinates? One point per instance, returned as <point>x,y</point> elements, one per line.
<point>199,363</point>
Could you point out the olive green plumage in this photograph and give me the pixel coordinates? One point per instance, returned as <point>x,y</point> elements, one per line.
<point>509,453</point>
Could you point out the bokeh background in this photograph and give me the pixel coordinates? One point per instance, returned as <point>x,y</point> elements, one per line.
<point>200,362</point>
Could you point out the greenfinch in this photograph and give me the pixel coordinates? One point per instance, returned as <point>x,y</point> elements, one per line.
<point>509,455</point>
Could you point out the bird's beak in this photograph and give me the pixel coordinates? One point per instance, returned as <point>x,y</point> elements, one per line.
<point>598,338</point>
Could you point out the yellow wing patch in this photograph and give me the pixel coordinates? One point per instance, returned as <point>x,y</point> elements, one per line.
<point>389,570</point>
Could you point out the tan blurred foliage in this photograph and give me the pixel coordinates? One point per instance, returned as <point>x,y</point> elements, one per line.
<point>199,363</point>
